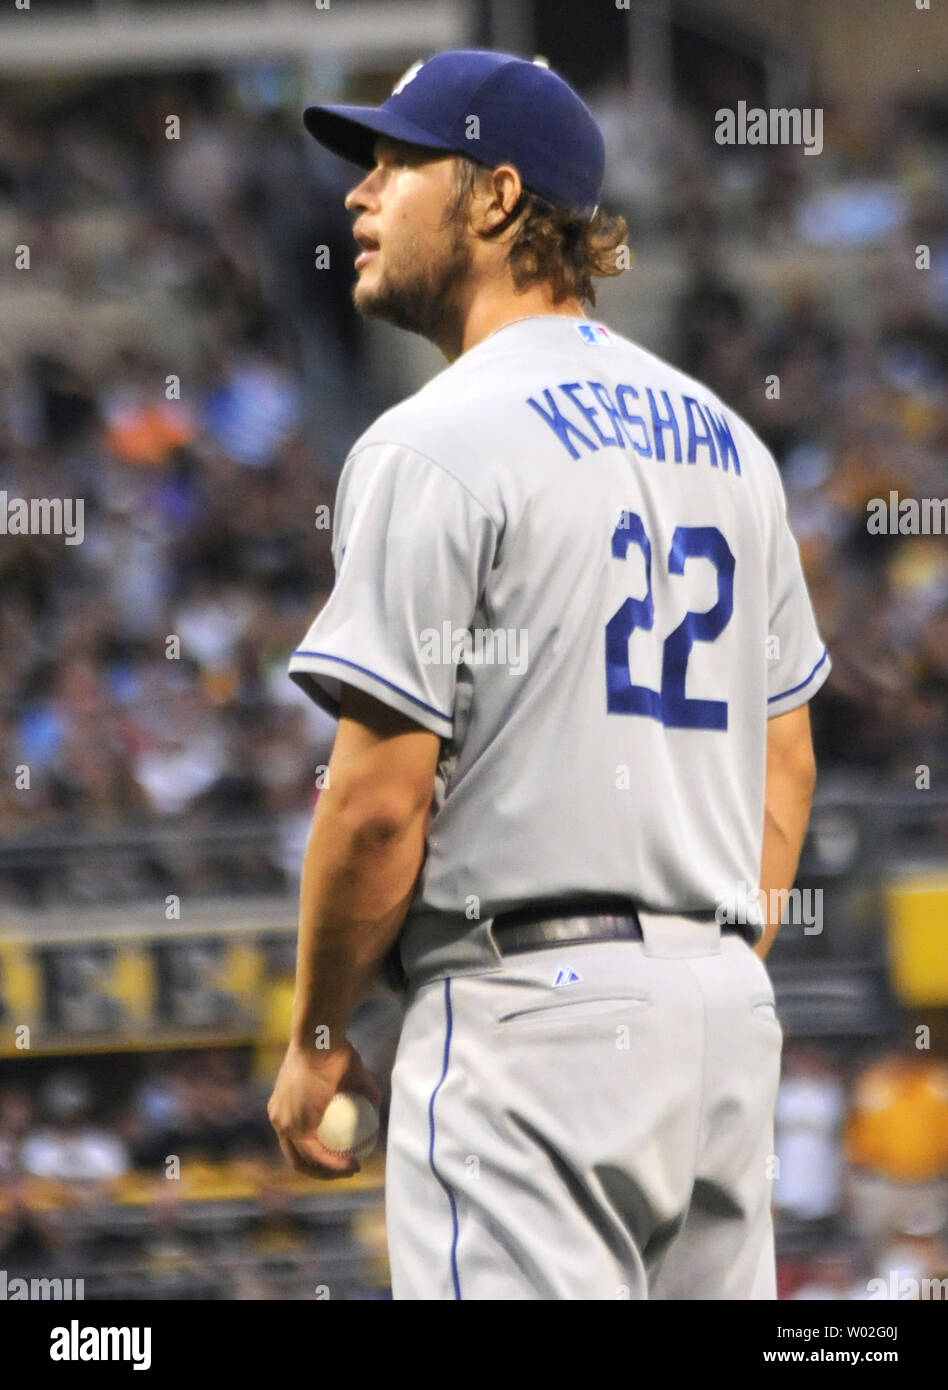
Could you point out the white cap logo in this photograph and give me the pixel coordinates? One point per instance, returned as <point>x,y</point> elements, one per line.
<point>407,76</point>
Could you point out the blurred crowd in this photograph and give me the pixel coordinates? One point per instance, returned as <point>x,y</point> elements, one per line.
<point>179,1191</point>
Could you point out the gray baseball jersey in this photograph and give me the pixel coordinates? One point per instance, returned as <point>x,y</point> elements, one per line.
<point>572,562</point>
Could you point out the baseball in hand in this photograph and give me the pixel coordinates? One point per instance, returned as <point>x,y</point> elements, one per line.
<point>350,1125</point>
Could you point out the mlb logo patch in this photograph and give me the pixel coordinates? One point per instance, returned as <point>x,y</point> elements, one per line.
<point>595,334</point>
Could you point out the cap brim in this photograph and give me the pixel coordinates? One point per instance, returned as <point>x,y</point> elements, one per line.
<point>351,131</point>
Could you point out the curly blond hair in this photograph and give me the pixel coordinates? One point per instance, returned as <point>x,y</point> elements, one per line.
<point>552,243</point>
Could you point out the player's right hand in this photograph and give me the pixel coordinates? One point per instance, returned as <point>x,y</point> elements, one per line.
<point>306,1082</point>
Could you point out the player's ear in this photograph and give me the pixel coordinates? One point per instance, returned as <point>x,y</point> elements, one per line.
<point>497,200</point>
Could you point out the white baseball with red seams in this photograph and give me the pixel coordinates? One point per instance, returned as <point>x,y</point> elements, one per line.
<point>350,1124</point>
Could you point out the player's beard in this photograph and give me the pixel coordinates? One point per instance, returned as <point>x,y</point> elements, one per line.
<point>423,295</point>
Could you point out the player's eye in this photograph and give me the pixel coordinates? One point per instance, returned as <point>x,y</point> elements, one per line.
<point>403,156</point>
<point>391,155</point>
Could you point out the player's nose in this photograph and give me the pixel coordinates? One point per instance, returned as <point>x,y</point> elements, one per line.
<point>363,194</point>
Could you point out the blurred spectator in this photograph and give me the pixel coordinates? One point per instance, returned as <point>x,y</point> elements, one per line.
<point>897,1138</point>
<point>811,1105</point>
<point>69,1147</point>
<point>156,1106</point>
<point>16,1115</point>
<point>209,1114</point>
<point>833,1276</point>
<point>143,425</point>
<point>254,410</point>
<point>29,1240</point>
<point>912,1268</point>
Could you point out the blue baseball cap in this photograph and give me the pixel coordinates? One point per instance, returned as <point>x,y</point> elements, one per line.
<point>525,115</point>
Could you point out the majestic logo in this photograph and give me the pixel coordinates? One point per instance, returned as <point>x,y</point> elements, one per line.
<point>407,76</point>
<point>566,976</point>
<point>595,334</point>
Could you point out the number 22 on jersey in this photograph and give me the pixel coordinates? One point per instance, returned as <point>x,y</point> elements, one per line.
<point>670,705</point>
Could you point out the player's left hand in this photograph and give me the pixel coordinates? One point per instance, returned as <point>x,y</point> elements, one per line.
<point>306,1082</point>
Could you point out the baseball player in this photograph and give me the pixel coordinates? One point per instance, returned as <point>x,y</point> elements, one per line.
<point>571,648</point>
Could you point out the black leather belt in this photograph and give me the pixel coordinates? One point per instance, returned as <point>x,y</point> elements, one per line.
<point>573,920</point>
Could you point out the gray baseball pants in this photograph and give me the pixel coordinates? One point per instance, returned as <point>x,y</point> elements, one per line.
<point>604,1137</point>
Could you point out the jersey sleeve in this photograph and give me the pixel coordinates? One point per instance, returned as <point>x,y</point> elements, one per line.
<point>797,659</point>
<point>412,550</point>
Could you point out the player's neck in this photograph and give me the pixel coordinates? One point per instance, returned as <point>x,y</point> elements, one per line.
<point>488,313</point>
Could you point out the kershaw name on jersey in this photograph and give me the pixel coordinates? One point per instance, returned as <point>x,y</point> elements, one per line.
<point>640,418</point>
